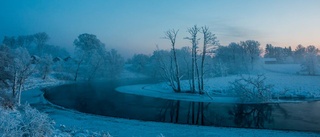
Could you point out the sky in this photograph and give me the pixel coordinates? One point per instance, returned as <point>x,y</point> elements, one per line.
<point>137,26</point>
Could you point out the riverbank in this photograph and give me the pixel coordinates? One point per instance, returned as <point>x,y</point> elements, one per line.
<point>87,123</point>
<point>288,86</point>
<point>72,123</point>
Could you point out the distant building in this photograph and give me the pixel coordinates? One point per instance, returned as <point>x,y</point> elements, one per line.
<point>35,59</point>
<point>56,59</point>
<point>67,58</point>
<point>270,60</point>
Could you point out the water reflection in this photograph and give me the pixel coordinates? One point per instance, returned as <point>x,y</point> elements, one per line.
<point>102,99</point>
<point>252,115</point>
<point>183,112</point>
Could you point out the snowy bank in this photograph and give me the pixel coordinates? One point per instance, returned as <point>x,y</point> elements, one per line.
<point>217,89</point>
<point>90,125</point>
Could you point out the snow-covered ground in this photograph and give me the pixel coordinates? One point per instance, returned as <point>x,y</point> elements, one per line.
<point>80,124</point>
<point>286,84</point>
<point>73,123</point>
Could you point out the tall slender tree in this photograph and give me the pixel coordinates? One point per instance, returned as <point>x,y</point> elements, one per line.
<point>172,35</point>
<point>209,39</point>
<point>194,41</point>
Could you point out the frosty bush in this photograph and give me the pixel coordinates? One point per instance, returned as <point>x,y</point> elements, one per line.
<point>9,123</point>
<point>25,122</point>
<point>6,101</point>
<point>252,89</point>
<point>35,123</point>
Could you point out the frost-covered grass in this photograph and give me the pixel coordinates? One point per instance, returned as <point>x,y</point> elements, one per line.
<point>25,121</point>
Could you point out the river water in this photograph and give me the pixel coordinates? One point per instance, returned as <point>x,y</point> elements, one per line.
<point>101,98</point>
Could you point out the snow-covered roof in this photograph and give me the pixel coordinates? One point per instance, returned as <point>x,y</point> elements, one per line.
<point>269,59</point>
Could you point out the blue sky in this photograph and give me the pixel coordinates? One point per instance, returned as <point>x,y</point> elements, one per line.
<point>137,26</point>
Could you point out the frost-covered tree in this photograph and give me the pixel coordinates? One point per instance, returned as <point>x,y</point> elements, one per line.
<point>277,52</point>
<point>40,40</point>
<point>172,35</point>
<point>139,63</point>
<point>252,50</point>
<point>310,65</point>
<point>15,68</point>
<point>230,59</point>
<point>86,45</point>
<point>114,63</point>
<point>251,89</point>
<point>45,66</point>
<point>299,53</point>
<point>9,41</point>
<point>194,65</point>
<point>209,40</point>
<point>5,61</point>
<point>163,63</point>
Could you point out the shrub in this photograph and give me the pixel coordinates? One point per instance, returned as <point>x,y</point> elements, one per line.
<point>252,89</point>
<point>26,122</point>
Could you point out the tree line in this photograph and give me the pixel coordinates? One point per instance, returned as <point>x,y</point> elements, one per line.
<point>24,56</point>
<point>196,62</point>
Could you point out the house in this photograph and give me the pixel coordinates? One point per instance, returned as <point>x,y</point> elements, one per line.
<point>269,60</point>
<point>35,59</point>
<point>56,59</point>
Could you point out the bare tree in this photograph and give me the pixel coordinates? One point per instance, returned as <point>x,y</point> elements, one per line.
<point>194,41</point>
<point>172,35</point>
<point>209,39</point>
<point>164,62</point>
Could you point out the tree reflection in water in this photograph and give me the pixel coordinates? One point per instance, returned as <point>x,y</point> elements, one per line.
<point>183,112</point>
<point>251,115</point>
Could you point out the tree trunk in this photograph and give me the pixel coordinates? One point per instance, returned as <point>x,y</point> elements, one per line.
<point>193,71</point>
<point>177,70</point>
<point>202,68</point>
<point>198,75</point>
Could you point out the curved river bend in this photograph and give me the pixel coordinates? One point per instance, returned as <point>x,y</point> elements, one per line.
<point>101,98</point>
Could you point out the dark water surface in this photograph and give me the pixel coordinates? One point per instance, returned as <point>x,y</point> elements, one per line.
<point>102,99</point>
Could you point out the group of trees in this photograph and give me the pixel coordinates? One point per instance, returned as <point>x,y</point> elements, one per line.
<point>17,64</point>
<point>92,58</point>
<point>237,57</point>
<point>187,63</point>
<point>180,63</point>
<point>196,62</point>
<point>308,57</point>
<point>280,53</point>
<point>25,56</point>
